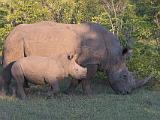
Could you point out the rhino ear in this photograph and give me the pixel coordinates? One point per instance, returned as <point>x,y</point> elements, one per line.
<point>126,52</point>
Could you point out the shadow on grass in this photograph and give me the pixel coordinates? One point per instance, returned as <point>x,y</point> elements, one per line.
<point>98,87</point>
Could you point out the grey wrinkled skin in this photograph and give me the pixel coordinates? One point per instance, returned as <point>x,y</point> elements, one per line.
<point>95,46</point>
<point>124,83</point>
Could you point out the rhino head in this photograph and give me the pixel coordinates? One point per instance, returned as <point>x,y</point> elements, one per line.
<point>121,79</point>
<point>75,70</point>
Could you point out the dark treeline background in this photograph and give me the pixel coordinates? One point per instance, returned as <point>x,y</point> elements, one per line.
<point>136,22</point>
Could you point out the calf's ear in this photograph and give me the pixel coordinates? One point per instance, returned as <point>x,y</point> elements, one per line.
<point>126,52</point>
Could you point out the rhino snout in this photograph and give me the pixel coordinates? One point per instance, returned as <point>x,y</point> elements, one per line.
<point>125,92</point>
<point>85,72</point>
<point>121,89</point>
<point>82,73</point>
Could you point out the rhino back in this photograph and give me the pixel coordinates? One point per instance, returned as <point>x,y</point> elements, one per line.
<point>46,40</point>
<point>91,42</point>
<point>41,39</point>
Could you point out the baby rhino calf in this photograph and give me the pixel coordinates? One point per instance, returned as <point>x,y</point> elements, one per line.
<point>41,70</point>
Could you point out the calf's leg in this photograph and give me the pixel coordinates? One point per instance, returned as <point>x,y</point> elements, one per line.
<point>18,76</point>
<point>86,83</point>
<point>73,85</point>
<point>54,87</point>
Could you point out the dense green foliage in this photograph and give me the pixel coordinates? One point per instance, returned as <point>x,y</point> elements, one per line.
<point>136,22</point>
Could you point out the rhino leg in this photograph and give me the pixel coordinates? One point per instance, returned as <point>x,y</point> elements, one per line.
<point>13,89</point>
<point>73,85</point>
<point>20,90</point>
<point>26,85</point>
<point>18,76</point>
<point>54,88</point>
<point>86,83</point>
<point>6,76</point>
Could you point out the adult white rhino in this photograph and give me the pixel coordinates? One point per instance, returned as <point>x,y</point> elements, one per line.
<point>95,46</point>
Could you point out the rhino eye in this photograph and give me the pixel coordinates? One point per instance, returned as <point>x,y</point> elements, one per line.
<point>70,57</point>
<point>124,76</point>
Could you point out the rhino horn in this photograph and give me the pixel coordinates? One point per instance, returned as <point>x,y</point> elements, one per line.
<point>140,83</point>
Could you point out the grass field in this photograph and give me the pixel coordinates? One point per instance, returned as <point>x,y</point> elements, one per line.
<point>142,104</point>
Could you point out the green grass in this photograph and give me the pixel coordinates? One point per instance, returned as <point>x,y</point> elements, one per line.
<point>142,104</point>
